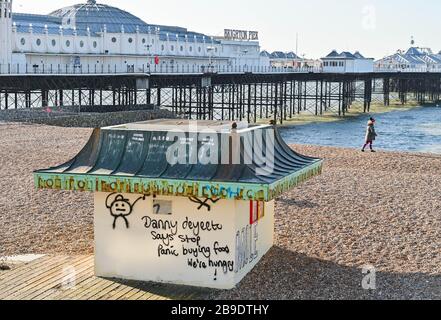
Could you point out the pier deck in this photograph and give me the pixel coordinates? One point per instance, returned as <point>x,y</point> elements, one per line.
<point>222,96</point>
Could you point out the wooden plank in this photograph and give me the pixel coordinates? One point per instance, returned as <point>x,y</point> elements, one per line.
<point>98,286</point>
<point>26,272</point>
<point>50,280</point>
<point>79,288</point>
<point>41,280</point>
<point>17,283</point>
<point>56,285</point>
<point>82,281</point>
<point>146,296</point>
<point>117,288</point>
<point>131,293</point>
<point>106,292</point>
<point>114,295</point>
<point>143,293</point>
<point>137,295</point>
<point>4,274</point>
<point>26,266</point>
<point>153,294</point>
<point>58,294</point>
<point>37,283</point>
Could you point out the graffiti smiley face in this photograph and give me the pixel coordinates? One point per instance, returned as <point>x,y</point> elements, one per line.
<point>121,207</point>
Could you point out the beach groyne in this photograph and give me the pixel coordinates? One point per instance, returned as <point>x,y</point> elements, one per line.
<point>85,117</point>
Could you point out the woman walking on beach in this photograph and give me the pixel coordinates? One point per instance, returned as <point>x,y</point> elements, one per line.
<point>371,135</point>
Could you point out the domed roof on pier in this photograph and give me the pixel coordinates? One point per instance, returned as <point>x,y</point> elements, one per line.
<point>95,17</point>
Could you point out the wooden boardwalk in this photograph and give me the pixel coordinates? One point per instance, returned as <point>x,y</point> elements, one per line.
<point>72,278</point>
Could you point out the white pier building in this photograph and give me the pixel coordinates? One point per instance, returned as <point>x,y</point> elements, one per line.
<point>347,62</point>
<point>101,38</point>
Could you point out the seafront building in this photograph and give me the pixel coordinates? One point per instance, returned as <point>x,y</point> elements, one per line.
<point>415,59</point>
<point>346,62</point>
<point>97,38</point>
<point>281,59</point>
<point>100,36</point>
<point>289,60</point>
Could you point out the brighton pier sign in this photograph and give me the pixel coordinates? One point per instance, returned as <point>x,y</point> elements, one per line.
<point>230,34</point>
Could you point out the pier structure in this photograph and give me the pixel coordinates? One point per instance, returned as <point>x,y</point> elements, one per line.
<point>248,96</point>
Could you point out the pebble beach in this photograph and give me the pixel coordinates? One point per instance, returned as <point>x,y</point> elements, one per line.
<point>367,209</point>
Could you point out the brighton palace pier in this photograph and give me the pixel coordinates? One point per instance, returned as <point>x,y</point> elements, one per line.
<point>96,56</point>
<point>96,34</point>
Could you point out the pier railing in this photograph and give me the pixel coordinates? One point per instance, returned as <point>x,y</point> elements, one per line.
<point>165,68</point>
<point>408,70</point>
<point>69,69</point>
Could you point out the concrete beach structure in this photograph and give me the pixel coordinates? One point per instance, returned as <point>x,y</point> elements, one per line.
<point>182,202</point>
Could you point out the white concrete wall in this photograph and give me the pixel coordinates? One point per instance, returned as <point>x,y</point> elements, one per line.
<point>364,66</point>
<point>338,68</point>
<point>349,66</point>
<point>147,252</point>
<point>137,47</point>
<point>5,32</point>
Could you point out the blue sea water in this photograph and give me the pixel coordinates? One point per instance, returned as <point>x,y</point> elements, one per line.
<point>415,130</point>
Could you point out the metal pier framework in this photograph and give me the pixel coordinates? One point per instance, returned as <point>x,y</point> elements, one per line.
<point>217,96</point>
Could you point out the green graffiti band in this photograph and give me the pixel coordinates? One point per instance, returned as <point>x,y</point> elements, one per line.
<point>180,188</point>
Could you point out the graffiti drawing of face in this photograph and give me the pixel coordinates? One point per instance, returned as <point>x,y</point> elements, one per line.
<point>120,208</point>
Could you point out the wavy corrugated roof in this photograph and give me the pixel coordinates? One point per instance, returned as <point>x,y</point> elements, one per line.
<point>129,159</point>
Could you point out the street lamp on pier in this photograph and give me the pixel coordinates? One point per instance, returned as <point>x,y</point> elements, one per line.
<point>210,51</point>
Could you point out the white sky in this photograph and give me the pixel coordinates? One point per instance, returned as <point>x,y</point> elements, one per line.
<point>375,27</point>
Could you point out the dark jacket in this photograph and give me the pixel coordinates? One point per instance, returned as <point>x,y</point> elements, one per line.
<point>371,134</point>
